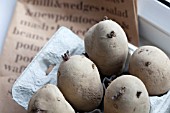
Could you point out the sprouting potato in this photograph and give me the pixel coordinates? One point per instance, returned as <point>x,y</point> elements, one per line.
<point>126,94</point>
<point>152,66</point>
<point>79,81</point>
<point>49,99</point>
<point>107,46</point>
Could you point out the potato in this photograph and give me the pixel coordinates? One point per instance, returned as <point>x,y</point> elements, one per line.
<point>152,66</point>
<point>107,46</point>
<point>88,41</point>
<point>49,99</point>
<point>79,81</point>
<point>126,94</point>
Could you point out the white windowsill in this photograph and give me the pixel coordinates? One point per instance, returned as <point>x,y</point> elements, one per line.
<point>154,24</point>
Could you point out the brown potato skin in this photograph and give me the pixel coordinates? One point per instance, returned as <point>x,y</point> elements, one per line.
<point>152,66</point>
<point>79,81</point>
<point>49,99</point>
<point>126,94</point>
<point>109,54</point>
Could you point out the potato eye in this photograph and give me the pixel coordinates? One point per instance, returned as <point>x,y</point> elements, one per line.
<point>138,94</point>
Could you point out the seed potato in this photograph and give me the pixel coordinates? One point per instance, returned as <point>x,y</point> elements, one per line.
<point>79,81</point>
<point>49,99</point>
<point>152,66</point>
<point>107,46</point>
<point>126,94</point>
<point>88,41</point>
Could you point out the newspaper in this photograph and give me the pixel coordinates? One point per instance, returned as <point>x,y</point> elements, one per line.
<point>35,21</point>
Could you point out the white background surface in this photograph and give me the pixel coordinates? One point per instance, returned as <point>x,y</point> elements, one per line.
<point>6,11</point>
<point>154,23</point>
